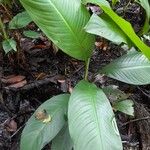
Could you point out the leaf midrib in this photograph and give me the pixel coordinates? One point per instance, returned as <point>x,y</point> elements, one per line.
<point>67,24</point>
<point>96,117</point>
<point>128,68</point>
<point>38,132</point>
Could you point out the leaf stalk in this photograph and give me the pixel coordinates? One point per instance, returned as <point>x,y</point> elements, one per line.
<point>86,69</point>
<point>3,29</point>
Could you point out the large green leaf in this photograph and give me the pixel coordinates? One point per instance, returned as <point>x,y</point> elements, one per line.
<point>63,22</point>
<point>133,68</point>
<point>91,120</point>
<point>38,133</point>
<point>63,140</point>
<point>124,25</point>
<point>105,27</point>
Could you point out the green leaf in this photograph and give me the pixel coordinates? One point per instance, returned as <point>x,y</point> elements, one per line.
<point>20,20</point>
<point>31,34</point>
<point>37,132</point>
<point>125,106</point>
<point>124,25</point>
<point>9,45</point>
<point>113,93</point>
<point>6,2</point>
<point>133,68</point>
<point>91,119</point>
<point>146,6</point>
<point>63,21</point>
<point>102,2</point>
<point>105,27</point>
<point>114,2</point>
<point>63,140</point>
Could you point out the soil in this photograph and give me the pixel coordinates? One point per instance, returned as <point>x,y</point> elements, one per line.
<point>43,72</point>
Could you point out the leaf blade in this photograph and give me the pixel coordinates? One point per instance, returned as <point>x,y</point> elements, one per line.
<point>20,20</point>
<point>9,45</point>
<point>133,68</point>
<point>92,117</point>
<point>63,140</point>
<point>105,27</point>
<point>31,34</point>
<point>37,134</point>
<point>146,6</point>
<point>125,106</point>
<point>63,23</point>
<point>122,24</point>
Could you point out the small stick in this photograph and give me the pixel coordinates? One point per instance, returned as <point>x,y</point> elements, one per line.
<point>135,120</point>
<point>143,92</point>
<point>17,131</point>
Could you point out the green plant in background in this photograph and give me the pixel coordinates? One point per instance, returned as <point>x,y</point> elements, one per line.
<point>8,44</point>
<point>19,21</point>
<point>6,2</point>
<point>84,119</point>
<point>114,2</point>
<point>126,32</point>
<point>146,6</point>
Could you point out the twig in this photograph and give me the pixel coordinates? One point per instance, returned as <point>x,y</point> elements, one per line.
<point>87,69</point>
<point>35,84</point>
<point>135,120</point>
<point>143,92</point>
<point>17,131</point>
<point>77,70</point>
<point>3,29</point>
<point>7,12</point>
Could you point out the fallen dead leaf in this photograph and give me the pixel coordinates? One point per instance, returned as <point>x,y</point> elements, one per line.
<point>12,79</point>
<point>11,126</point>
<point>40,46</point>
<point>17,85</point>
<point>98,44</point>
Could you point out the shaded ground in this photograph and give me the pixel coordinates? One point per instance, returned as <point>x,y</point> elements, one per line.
<point>43,73</point>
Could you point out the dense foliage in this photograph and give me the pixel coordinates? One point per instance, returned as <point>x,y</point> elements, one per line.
<point>83,119</point>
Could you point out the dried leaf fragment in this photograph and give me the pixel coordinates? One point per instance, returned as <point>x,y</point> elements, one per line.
<point>13,79</point>
<point>43,116</point>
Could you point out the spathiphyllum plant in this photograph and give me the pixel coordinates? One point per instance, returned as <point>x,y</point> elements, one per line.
<point>84,119</point>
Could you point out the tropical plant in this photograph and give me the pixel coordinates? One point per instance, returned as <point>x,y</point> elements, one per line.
<point>8,44</point>
<point>145,4</point>
<point>84,119</point>
<point>19,21</point>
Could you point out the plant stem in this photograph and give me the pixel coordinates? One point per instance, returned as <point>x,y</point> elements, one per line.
<point>86,69</point>
<point>126,7</point>
<point>6,10</point>
<point>3,29</point>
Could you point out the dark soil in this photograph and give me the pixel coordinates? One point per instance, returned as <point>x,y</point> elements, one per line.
<point>48,73</point>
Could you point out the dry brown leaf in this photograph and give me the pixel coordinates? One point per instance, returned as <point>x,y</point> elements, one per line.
<point>18,85</point>
<point>40,46</point>
<point>61,81</point>
<point>11,126</point>
<point>13,79</point>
